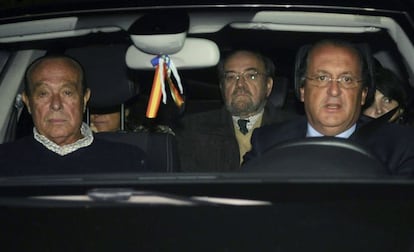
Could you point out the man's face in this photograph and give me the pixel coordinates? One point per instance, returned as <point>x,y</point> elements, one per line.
<point>56,101</point>
<point>244,91</point>
<point>105,122</point>
<point>333,109</point>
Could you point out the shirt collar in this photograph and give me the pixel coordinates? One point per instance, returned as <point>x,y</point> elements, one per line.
<point>69,148</point>
<point>251,119</point>
<point>311,132</point>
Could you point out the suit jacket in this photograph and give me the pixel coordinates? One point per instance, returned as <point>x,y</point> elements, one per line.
<point>207,142</point>
<point>27,156</point>
<point>392,144</point>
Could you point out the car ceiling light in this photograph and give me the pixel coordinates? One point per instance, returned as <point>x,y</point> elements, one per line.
<point>303,28</point>
<point>55,35</point>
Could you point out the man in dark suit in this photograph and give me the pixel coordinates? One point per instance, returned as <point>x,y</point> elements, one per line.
<point>334,82</point>
<point>217,140</point>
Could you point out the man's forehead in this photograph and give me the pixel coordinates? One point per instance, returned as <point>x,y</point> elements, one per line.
<point>331,49</point>
<point>62,84</point>
<point>55,63</point>
<point>242,58</point>
<point>330,54</point>
<point>50,81</point>
<point>55,68</point>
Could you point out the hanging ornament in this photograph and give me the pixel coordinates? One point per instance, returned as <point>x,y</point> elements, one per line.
<point>164,71</point>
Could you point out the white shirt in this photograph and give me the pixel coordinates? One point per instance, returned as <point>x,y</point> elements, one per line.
<point>311,132</point>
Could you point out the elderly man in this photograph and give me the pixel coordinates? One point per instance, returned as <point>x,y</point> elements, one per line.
<point>334,84</point>
<point>56,96</point>
<point>217,140</point>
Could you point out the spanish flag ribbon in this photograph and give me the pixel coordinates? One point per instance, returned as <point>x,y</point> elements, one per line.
<point>178,99</point>
<point>163,69</point>
<point>177,96</point>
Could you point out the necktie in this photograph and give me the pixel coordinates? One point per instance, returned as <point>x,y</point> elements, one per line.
<point>242,125</point>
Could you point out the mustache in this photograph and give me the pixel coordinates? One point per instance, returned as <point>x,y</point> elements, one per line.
<point>240,90</point>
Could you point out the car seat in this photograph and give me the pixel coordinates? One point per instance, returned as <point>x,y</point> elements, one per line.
<point>106,76</point>
<point>279,92</point>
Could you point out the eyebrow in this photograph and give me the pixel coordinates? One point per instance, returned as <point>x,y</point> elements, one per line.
<point>35,85</point>
<point>248,69</point>
<point>326,72</point>
<point>38,84</point>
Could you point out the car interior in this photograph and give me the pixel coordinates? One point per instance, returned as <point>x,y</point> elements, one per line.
<point>120,48</point>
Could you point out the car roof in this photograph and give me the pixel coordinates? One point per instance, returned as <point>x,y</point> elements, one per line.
<point>12,8</point>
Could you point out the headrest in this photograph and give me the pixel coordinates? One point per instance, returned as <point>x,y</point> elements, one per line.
<point>279,92</point>
<point>160,33</point>
<point>105,74</point>
<point>300,68</point>
<point>301,64</point>
<point>195,53</point>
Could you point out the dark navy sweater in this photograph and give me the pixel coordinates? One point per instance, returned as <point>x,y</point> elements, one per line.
<point>27,156</point>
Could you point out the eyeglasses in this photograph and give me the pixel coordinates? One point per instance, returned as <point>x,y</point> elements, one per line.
<point>250,76</point>
<point>344,81</point>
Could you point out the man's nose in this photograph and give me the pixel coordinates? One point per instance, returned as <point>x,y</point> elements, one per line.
<point>56,103</point>
<point>334,88</point>
<point>241,81</point>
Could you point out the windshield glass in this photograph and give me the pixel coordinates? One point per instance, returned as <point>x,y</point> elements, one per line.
<point>130,92</point>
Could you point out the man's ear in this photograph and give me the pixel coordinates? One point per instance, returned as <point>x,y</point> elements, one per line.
<point>269,86</point>
<point>25,100</point>
<point>86,97</point>
<point>302,93</point>
<point>222,91</point>
<point>364,96</point>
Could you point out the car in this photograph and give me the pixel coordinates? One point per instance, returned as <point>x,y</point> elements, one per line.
<point>308,205</point>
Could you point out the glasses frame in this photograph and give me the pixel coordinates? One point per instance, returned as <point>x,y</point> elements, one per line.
<point>339,80</point>
<point>238,76</point>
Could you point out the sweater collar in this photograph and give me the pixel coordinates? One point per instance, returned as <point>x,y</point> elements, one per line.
<point>69,148</point>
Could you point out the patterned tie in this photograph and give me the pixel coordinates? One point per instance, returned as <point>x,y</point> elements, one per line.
<point>242,125</point>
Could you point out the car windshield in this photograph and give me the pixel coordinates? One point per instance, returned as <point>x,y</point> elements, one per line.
<point>127,49</point>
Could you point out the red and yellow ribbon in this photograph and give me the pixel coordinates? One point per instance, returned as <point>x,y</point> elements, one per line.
<point>163,69</point>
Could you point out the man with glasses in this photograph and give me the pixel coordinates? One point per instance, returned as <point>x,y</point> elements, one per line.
<point>217,140</point>
<point>334,83</point>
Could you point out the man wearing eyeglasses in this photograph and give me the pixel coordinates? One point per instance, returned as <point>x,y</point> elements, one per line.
<point>217,140</point>
<point>334,82</point>
<point>332,90</point>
